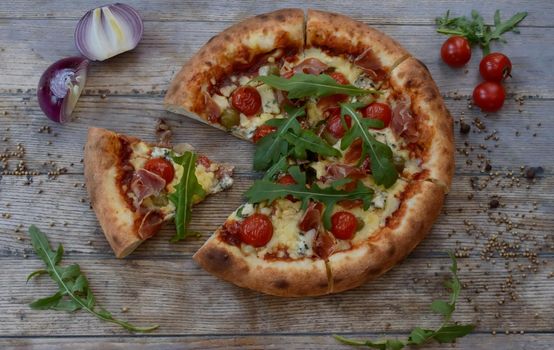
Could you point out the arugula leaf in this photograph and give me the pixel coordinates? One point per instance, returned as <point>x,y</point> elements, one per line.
<point>475,30</point>
<point>184,194</point>
<point>274,146</point>
<point>309,85</point>
<point>307,140</point>
<point>382,166</point>
<point>265,190</point>
<point>446,333</point>
<point>74,292</point>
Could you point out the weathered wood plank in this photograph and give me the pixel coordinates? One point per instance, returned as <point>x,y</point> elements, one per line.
<point>183,299</point>
<point>473,341</point>
<point>63,212</point>
<point>167,45</point>
<point>137,115</point>
<point>395,11</point>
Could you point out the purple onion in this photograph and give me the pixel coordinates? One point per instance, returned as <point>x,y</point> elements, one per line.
<point>107,31</point>
<point>60,86</point>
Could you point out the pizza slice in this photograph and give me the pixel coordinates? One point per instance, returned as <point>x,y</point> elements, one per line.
<point>135,187</point>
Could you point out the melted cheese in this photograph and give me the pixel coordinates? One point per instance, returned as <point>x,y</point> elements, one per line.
<point>269,101</point>
<point>341,64</point>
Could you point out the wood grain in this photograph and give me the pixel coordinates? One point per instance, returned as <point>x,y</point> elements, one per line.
<point>159,283</point>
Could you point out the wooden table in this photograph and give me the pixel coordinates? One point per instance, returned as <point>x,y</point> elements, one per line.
<point>159,283</point>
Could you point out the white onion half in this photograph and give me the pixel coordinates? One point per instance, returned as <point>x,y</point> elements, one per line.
<point>107,31</point>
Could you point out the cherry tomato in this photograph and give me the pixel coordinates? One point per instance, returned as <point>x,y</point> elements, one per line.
<point>246,100</point>
<point>334,123</point>
<point>286,180</point>
<point>161,167</point>
<point>495,67</point>
<point>489,96</point>
<point>205,161</point>
<point>339,78</point>
<point>343,224</point>
<point>456,51</point>
<point>261,131</point>
<point>378,110</point>
<point>256,230</point>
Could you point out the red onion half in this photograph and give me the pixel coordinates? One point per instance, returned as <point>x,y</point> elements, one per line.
<point>60,86</point>
<point>107,31</point>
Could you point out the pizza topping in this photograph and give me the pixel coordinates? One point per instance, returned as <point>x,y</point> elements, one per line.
<point>380,111</point>
<point>262,131</point>
<point>256,230</point>
<point>312,217</point>
<point>150,224</point>
<point>403,123</point>
<point>344,225</point>
<point>247,100</point>
<point>310,66</point>
<point>229,118</point>
<point>230,232</point>
<point>324,244</point>
<point>212,109</point>
<point>335,123</point>
<point>161,167</point>
<point>145,184</point>
<point>354,152</point>
<point>371,65</point>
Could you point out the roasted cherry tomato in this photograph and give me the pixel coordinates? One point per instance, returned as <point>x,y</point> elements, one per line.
<point>161,167</point>
<point>378,110</point>
<point>489,96</point>
<point>286,180</point>
<point>205,161</point>
<point>334,123</point>
<point>256,230</point>
<point>246,100</point>
<point>261,131</point>
<point>339,78</point>
<point>495,67</point>
<point>343,224</point>
<point>456,51</point>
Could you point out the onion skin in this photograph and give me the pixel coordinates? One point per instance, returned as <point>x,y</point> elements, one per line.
<point>107,31</point>
<point>60,86</point>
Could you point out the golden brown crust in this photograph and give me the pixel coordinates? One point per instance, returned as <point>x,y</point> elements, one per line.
<point>295,278</point>
<point>392,243</point>
<point>239,44</point>
<point>344,35</point>
<point>102,163</point>
<point>435,123</point>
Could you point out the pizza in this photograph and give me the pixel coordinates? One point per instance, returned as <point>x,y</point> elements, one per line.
<point>353,140</point>
<point>131,184</point>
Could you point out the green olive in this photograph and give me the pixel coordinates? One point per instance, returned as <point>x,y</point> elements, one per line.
<point>359,224</point>
<point>229,118</point>
<point>160,201</point>
<point>366,99</point>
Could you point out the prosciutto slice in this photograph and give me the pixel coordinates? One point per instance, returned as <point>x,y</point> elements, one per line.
<point>403,124</point>
<point>324,244</point>
<point>312,217</point>
<point>150,225</point>
<point>145,184</point>
<point>371,65</point>
<point>310,66</point>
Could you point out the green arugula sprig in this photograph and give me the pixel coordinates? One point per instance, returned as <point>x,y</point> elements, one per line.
<point>290,139</point>
<point>264,189</point>
<point>382,165</point>
<point>310,85</point>
<point>184,194</point>
<point>73,292</point>
<point>446,333</point>
<point>475,30</point>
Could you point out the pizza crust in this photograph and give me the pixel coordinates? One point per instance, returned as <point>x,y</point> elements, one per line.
<point>102,161</point>
<point>304,277</point>
<point>408,226</point>
<point>344,35</point>
<point>239,43</point>
<point>413,77</point>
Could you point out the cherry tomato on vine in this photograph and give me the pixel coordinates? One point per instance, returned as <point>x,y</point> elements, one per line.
<point>489,96</point>
<point>456,51</point>
<point>495,67</point>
